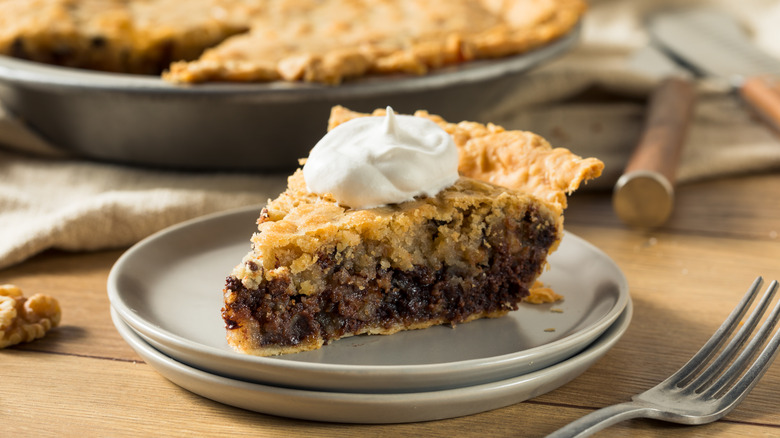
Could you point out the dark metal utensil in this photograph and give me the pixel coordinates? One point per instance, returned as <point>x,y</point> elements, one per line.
<point>707,387</point>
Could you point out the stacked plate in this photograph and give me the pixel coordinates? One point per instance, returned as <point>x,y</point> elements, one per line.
<point>166,298</point>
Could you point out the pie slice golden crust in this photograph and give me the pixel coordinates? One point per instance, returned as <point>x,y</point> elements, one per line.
<point>319,271</point>
<point>520,160</point>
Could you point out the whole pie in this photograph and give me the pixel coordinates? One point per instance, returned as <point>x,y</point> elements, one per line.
<point>319,271</point>
<point>324,41</point>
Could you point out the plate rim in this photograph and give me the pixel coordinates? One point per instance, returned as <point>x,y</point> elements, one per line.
<point>133,319</point>
<point>494,394</point>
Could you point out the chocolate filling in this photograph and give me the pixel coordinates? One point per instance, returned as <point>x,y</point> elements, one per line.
<point>396,296</point>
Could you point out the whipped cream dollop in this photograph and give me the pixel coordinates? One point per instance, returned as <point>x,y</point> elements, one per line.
<point>373,161</point>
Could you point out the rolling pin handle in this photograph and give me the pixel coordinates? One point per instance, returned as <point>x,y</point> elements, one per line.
<point>644,194</point>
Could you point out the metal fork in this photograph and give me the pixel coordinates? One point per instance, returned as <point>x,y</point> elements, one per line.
<point>702,391</point>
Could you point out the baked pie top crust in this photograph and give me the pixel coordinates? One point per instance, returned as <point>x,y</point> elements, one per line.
<point>339,39</point>
<point>520,160</point>
<point>323,41</point>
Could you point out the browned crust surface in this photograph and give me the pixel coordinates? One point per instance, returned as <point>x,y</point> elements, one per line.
<point>340,39</point>
<point>520,160</point>
<point>267,40</point>
<point>137,36</point>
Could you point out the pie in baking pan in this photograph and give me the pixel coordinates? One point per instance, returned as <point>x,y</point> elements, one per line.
<point>324,41</point>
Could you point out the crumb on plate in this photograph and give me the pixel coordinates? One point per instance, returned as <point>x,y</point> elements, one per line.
<point>541,294</point>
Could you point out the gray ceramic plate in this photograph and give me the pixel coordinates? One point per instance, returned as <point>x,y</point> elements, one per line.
<point>146,121</point>
<point>168,289</point>
<point>371,407</point>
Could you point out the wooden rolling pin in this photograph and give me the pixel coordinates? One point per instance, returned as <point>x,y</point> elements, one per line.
<point>644,195</point>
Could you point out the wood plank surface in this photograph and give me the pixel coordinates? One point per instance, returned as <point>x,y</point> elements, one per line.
<point>83,380</point>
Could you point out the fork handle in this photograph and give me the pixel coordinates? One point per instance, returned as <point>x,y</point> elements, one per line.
<point>602,418</point>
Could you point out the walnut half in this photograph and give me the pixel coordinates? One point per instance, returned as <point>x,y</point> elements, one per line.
<point>25,319</point>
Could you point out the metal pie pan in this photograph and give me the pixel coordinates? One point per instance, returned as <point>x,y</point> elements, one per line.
<point>143,120</point>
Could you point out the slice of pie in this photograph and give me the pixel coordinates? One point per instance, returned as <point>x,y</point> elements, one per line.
<point>319,271</point>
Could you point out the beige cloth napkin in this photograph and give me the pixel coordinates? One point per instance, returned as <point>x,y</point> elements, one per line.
<point>79,206</point>
<point>47,201</point>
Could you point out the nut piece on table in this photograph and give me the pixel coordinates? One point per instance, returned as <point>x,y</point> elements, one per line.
<point>25,319</point>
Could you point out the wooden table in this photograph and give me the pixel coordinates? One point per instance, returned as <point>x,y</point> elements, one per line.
<point>84,380</point>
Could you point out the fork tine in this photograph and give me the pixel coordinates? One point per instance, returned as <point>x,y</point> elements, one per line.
<point>668,402</point>
<point>750,351</point>
<point>754,373</point>
<point>733,347</point>
<point>684,375</point>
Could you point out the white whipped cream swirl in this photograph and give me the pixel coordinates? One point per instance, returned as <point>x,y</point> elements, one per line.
<point>373,161</point>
